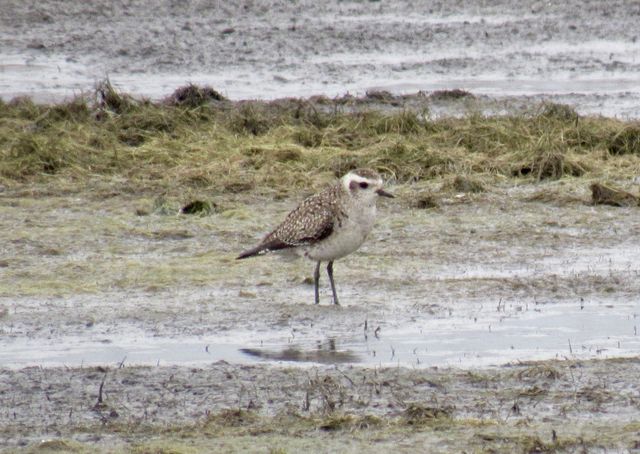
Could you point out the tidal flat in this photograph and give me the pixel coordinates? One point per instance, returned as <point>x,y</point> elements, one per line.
<point>493,308</point>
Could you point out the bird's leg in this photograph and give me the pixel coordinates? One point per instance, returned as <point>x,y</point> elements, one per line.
<point>333,285</point>
<point>316,281</point>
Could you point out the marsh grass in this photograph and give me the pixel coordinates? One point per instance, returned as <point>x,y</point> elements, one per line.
<point>420,415</point>
<point>481,435</point>
<point>200,141</point>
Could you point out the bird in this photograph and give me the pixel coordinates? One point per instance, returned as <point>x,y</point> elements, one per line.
<point>329,224</point>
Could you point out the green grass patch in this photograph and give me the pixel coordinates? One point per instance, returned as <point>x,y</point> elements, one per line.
<point>198,139</point>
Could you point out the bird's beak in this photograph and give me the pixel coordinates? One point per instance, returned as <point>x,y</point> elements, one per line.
<point>383,193</point>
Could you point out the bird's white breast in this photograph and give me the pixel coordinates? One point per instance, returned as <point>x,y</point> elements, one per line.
<point>349,232</point>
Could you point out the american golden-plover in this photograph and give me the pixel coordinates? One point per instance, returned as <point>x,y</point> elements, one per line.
<point>328,225</point>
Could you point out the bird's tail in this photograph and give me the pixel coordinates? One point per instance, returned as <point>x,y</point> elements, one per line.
<point>252,252</point>
<point>270,244</point>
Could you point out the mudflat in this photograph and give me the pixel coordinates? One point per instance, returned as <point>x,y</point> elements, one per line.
<point>494,307</point>
<point>471,325</point>
<point>573,52</point>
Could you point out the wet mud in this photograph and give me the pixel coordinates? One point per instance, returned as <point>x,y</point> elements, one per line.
<point>499,319</point>
<point>479,286</point>
<point>553,406</point>
<point>506,53</point>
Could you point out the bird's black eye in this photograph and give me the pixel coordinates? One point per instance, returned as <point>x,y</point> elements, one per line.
<point>364,185</point>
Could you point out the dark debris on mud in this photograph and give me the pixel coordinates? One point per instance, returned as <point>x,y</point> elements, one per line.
<point>192,95</point>
<point>606,195</point>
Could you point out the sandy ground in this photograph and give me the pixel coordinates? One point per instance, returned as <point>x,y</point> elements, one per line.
<point>576,52</point>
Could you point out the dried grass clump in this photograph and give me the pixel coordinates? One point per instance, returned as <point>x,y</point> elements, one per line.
<point>19,108</point>
<point>549,164</point>
<point>422,415</point>
<point>478,134</point>
<point>626,140</point>
<point>380,96</point>
<point>413,162</point>
<point>232,418</point>
<point>201,207</point>
<point>540,371</point>
<point>547,155</point>
<point>108,99</point>
<point>250,118</point>
<point>424,200</point>
<point>463,183</point>
<point>194,96</point>
<point>282,145</point>
<point>336,422</point>
<point>607,195</point>
<point>405,122</point>
<point>456,93</point>
<point>309,137</point>
<point>57,445</point>
<point>142,125</point>
<point>558,112</point>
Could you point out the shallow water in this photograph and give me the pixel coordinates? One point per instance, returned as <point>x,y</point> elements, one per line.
<point>585,54</point>
<point>468,338</point>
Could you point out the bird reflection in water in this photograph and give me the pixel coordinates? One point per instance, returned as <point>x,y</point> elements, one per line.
<point>325,353</point>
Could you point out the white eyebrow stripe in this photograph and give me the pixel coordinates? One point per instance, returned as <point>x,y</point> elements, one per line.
<point>359,179</point>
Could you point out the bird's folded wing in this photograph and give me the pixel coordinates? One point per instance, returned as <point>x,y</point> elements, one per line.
<point>312,221</point>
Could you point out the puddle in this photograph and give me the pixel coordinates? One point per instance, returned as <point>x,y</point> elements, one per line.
<point>77,352</point>
<point>473,338</point>
<point>555,331</point>
<point>488,337</point>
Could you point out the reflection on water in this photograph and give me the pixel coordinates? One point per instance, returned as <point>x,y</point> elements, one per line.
<point>324,353</point>
<point>480,337</point>
<point>470,336</point>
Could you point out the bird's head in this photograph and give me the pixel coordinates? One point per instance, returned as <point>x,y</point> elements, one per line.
<point>364,184</point>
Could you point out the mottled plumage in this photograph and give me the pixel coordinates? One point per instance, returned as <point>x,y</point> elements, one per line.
<point>330,224</point>
<point>310,222</point>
